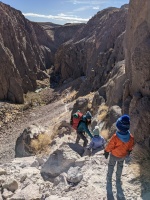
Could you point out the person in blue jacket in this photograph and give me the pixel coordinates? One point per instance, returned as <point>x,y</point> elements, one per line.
<point>97,141</point>
<point>83,127</point>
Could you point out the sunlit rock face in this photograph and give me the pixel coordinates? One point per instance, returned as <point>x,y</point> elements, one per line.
<point>23,54</point>
<point>137,50</point>
<point>95,49</point>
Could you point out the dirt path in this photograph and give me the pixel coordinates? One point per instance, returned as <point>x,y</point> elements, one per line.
<point>44,116</point>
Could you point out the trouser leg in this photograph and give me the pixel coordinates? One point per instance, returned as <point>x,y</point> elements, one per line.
<point>78,138</point>
<point>82,136</point>
<point>119,169</point>
<point>111,165</point>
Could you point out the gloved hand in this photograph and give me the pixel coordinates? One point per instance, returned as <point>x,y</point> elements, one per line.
<point>106,154</point>
<point>129,152</point>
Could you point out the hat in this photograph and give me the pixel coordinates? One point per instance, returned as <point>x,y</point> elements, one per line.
<point>123,123</point>
<point>88,115</point>
<point>96,130</point>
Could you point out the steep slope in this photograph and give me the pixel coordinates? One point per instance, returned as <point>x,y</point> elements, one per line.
<point>137,89</point>
<point>61,33</point>
<point>95,49</point>
<point>23,54</point>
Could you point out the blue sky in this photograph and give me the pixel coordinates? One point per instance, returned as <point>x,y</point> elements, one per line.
<point>62,11</point>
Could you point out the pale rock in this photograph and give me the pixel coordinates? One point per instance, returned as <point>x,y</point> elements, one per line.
<point>80,162</point>
<point>61,180</point>
<point>7,194</point>
<point>29,171</point>
<point>74,175</point>
<point>23,177</point>
<point>1,197</point>
<point>2,179</point>
<point>35,164</point>
<point>3,171</point>
<point>41,161</point>
<point>24,162</point>
<point>54,197</point>
<point>31,192</point>
<point>59,161</point>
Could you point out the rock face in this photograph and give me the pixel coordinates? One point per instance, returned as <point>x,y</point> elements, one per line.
<point>137,90</point>
<point>61,33</point>
<point>23,54</point>
<point>27,49</point>
<point>94,51</point>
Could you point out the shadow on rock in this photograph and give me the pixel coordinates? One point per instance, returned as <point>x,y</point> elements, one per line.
<point>77,148</point>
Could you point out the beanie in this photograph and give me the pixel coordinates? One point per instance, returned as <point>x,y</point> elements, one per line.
<point>123,123</point>
<point>88,115</point>
<point>96,130</point>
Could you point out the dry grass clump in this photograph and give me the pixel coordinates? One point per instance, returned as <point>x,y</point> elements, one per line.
<point>103,111</point>
<point>141,161</point>
<point>105,134</point>
<point>70,97</point>
<point>41,143</point>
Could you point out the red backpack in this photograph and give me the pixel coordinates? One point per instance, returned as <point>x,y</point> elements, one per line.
<point>75,119</point>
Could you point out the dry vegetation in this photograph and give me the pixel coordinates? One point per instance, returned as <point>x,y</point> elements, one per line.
<point>41,144</point>
<point>103,111</point>
<point>105,134</point>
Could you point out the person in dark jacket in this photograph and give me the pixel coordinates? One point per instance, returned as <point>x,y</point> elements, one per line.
<point>83,127</point>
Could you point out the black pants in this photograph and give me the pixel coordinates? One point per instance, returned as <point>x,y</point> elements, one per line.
<point>80,135</point>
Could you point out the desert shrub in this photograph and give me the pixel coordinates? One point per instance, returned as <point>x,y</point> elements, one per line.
<point>41,143</point>
<point>103,111</point>
<point>105,134</point>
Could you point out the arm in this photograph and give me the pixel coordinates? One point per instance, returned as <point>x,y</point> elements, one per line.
<point>131,144</point>
<point>111,145</point>
<point>87,130</point>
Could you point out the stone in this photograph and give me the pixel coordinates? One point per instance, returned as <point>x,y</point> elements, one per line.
<point>30,192</point>
<point>54,197</point>
<point>2,172</point>
<point>74,175</point>
<point>7,194</point>
<point>59,161</point>
<point>11,185</point>
<point>80,162</point>
<point>61,180</point>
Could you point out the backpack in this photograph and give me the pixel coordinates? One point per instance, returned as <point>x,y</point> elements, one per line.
<point>75,119</point>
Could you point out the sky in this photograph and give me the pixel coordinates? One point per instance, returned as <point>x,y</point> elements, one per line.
<point>62,11</point>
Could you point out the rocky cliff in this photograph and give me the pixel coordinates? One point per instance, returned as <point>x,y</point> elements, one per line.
<point>95,50</point>
<point>26,51</point>
<point>61,33</point>
<point>137,87</point>
<point>23,54</point>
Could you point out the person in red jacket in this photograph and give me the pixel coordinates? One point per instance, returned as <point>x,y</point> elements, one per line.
<point>119,146</point>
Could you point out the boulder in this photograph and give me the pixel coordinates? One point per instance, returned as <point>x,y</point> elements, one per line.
<point>31,192</point>
<point>11,185</point>
<point>7,194</point>
<point>59,161</point>
<point>22,148</point>
<point>74,175</point>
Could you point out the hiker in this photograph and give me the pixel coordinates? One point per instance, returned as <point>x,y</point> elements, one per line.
<point>97,143</point>
<point>119,146</point>
<point>82,127</point>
